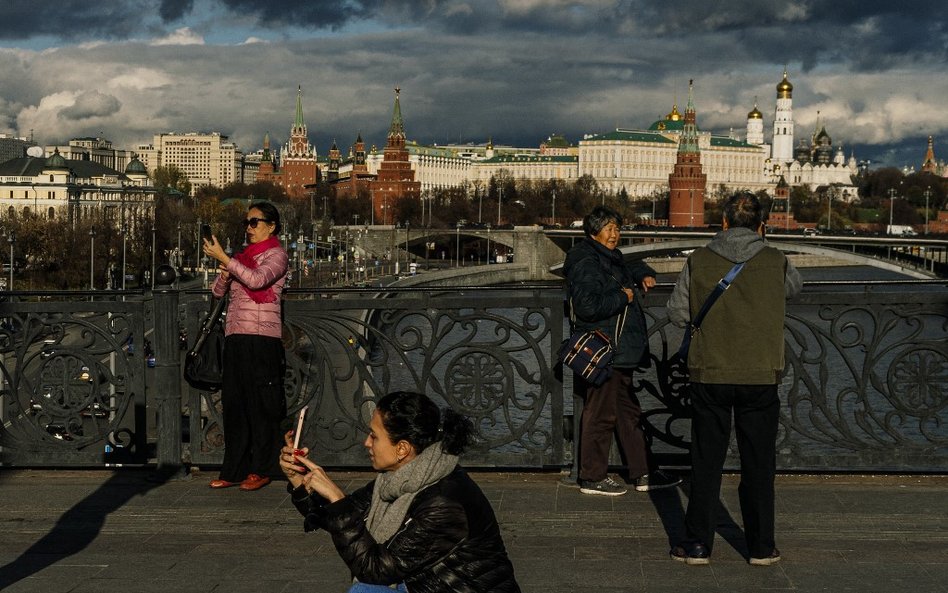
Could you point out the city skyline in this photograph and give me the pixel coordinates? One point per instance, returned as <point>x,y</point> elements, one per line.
<point>515,71</point>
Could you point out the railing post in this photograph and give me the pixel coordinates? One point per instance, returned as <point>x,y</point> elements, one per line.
<point>167,392</point>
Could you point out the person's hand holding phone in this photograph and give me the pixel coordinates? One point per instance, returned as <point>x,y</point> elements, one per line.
<point>299,470</point>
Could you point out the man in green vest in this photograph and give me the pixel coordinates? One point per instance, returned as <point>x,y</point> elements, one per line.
<point>734,362</point>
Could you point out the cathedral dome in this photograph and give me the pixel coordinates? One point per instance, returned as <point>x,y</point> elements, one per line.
<point>755,114</point>
<point>136,167</point>
<point>56,161</point>
<point>784,88</point>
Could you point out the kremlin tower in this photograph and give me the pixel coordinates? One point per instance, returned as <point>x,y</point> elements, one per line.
<point>298,167</point>
<point>395,178</point>
<point>687,182</point>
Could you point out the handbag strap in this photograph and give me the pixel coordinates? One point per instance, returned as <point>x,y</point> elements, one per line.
<point>723,284</point>
<point>213,316</point>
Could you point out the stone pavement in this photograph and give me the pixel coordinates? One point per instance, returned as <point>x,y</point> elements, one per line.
<point>101,531</point>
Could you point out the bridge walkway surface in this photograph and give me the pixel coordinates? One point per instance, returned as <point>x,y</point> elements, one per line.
<point>123,531</point>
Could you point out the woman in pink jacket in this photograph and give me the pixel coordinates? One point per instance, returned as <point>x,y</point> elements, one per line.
<point>252,391</point>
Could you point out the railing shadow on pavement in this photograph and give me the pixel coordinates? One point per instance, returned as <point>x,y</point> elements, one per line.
<point>79,526</point>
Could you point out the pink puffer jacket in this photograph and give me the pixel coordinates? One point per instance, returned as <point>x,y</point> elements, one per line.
<point>244,316</point>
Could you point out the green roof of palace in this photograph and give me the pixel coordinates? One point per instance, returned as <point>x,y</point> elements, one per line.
<point>726,141</point>
<point>633,136</point>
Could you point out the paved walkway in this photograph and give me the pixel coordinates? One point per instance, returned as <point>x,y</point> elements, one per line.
<point>98,531</point>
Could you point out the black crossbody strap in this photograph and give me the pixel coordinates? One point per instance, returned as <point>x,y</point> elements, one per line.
<point>722,285</point>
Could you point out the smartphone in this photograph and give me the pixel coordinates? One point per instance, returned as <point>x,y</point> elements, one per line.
<point>297,452</point>
<point>206,231</point>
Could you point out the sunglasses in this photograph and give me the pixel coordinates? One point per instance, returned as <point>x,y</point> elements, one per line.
<point>252,222</point>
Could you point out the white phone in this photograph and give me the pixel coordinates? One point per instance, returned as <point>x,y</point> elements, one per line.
<point>299,430</point>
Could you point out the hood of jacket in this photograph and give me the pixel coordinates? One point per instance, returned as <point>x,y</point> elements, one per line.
<point>737,244</point>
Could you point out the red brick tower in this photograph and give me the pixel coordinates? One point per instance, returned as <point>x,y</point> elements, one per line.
<point>395,179</point>
<point>298,161</point>
<point>686,182</point>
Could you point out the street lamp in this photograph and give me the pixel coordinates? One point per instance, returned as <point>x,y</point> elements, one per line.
<point>457,247</point>
<point>124,243</point>
<point>11,239</point>
<point>892,193</point>
<point>488,243</point>
<point>553,214</point>
<point>91,259</point>
<point>928,193</point>
<point>154,235</point>
<point>829,209</point>
<point>500,199</point>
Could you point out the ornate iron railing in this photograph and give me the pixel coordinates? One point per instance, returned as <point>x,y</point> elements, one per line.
<point>866,387</point>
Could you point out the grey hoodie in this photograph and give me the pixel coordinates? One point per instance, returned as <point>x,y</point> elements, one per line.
<point>736,245</point>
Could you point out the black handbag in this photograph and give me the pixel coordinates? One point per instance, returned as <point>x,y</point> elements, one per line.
<point>589,353</point>
<point>204,362</point>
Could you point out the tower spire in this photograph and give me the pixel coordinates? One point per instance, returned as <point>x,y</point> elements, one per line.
<point>397,130</point>
<point>298,123</point>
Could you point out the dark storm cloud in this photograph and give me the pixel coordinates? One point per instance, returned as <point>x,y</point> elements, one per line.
<point>172,10</point>
<point>91,104</point>
<point>69,19</point>
<point>316,14</point>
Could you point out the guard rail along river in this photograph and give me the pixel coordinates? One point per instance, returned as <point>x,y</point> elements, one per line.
<point>94,378</point>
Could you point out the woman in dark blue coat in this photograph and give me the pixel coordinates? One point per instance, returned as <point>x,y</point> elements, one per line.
<point>605,293</point>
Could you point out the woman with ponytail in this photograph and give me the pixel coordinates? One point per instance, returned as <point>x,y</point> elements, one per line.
<point>422,525</point>
<point>252,390</point>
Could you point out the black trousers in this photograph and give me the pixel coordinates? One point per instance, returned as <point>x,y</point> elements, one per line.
<point>253,405</point>
<point>612,408</point>
<point>756,411</point>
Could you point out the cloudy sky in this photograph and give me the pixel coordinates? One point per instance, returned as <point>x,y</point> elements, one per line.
<point>513,70</point>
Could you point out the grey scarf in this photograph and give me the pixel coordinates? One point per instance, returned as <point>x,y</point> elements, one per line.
<point>394,491</point>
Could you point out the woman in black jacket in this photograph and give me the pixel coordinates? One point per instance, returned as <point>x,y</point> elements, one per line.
<point>422,523</point>
<point>605,293</point>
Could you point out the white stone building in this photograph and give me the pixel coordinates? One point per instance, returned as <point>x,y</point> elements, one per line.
<point>206,159</point>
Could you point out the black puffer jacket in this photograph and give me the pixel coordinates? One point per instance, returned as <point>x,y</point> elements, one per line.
<point>449,542</point>
<point>596,276</point>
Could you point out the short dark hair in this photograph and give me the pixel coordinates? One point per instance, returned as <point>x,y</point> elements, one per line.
<point>743,210</point>
<point>270,212</point>
<point>415,418</point>
<point>596,220</point>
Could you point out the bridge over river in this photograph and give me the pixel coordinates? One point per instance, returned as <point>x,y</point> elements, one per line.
<point>539,252</point>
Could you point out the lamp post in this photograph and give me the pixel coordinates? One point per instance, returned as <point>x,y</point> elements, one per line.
<point>457,247</point>
<point>154,236</point>
<point>500,199</point>
<point>488,243</point>
<point>124,244</point>
<point>892,193</point>
<point>300,246</point>
<point>553,213</point>
<point>480,201</point>
<point>11,239</point>
<point>177,253</point>
<point>829,209</point>
<point>928,194</point>
<point>91,259</point>
<point>197,246</point>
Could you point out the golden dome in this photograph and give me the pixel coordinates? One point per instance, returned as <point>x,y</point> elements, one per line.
<point>784,88</point>
<point>755,114</point>
<point>674,115</point>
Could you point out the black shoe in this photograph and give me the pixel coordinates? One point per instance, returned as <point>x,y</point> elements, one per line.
<point>773,558</point>
<point>693,553</point>
<point>655,481</point>
<point>604,487</point>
